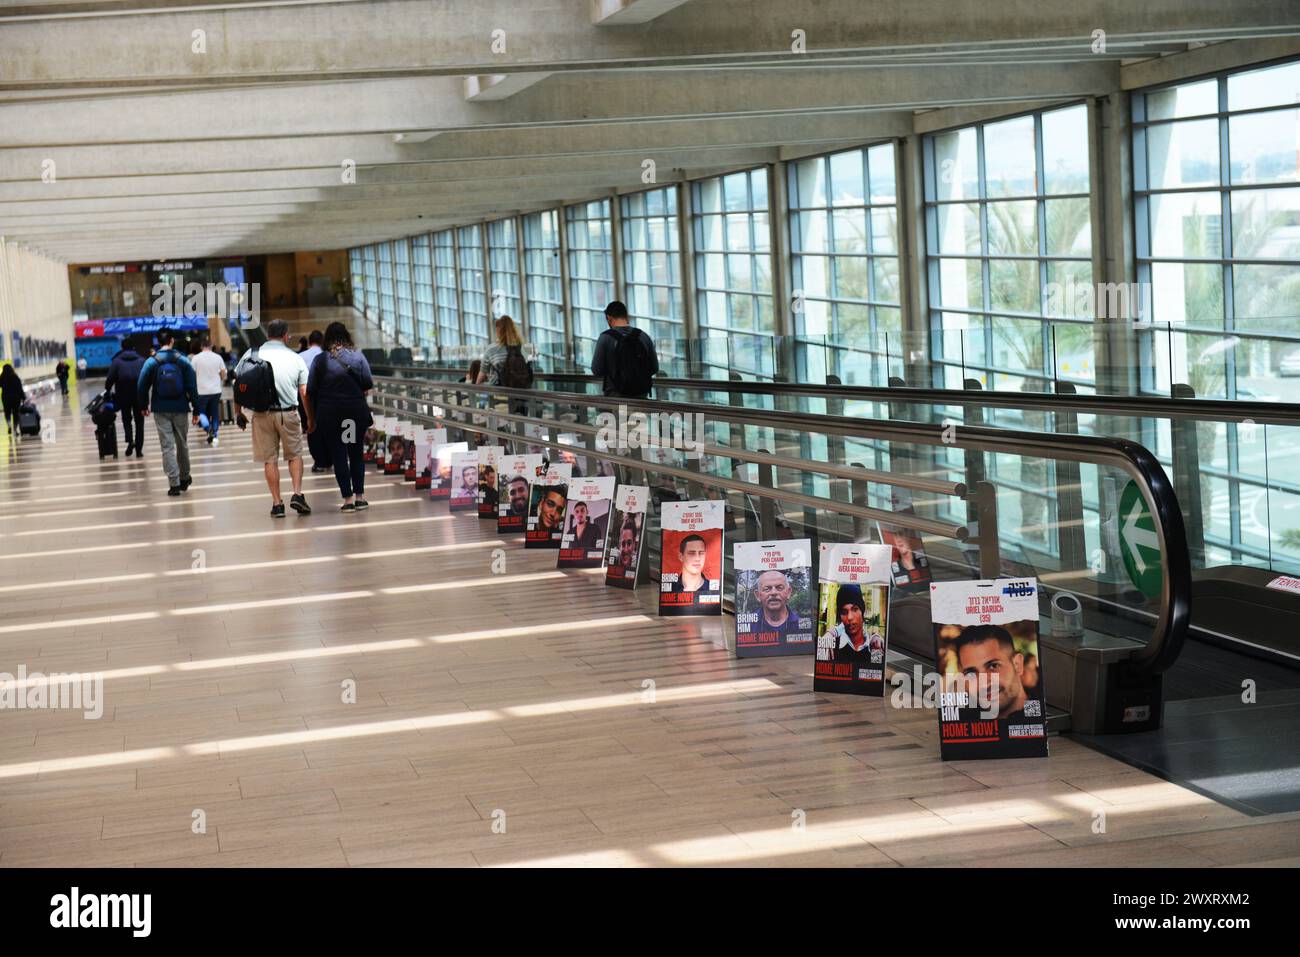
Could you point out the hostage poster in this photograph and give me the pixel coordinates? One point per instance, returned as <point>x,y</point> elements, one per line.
<point>991,702</point>
<point>547,501</point>
<point>374,441</point>
<point>489,459</point>
<point>775,598</point>
<point>853,619</point>
<point>399,444</point>
<point>583,543</point>
<point>464,482</point>
<point>425,443</point>
<point>626,534</point>
<point>440,486</point>
<point>909,565</point>
<point>516,479</point>
<point>690,569</point>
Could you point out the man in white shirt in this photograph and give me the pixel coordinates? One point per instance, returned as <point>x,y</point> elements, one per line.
<point>209,373</point>
<point>320,458</point>
<point>279,427</point>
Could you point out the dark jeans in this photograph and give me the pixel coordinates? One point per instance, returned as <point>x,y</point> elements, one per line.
<point>63,384</point>
<point>210,405</point>
<point>131,415</point>
<point>11,417</point>
<point>348,460</point>
<point>319,448</point>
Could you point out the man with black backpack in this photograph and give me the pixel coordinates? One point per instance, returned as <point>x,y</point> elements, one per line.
<point>625,356</point>
<point>170,377</point>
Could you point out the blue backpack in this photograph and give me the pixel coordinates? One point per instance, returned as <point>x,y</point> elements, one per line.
<point>171,378</point>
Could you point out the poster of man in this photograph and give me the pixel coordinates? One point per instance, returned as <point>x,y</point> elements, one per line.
<point>853,619</point>
<point>398,446</point>
<point>547,502</point>
<point>991,701</point>
<point>909,566</point>
<point>425,443</point>
<point>489,458</point>
<point>570,456</point>
<point>514,481</point>
<point>464,482</point>
<point>623,547</point>
<point>690,571</point>
<point>583,543</point>
<point>442,453</point>
<point>775,597</point>
<point>410,473</point>
<point>374,447</point>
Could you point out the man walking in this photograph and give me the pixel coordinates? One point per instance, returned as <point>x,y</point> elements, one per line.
<point>210,372</point>
<point>123,374</point>
<point>171,378</point>
<point>625,356</point>
<point>276,425</point>
<point>320,457</point>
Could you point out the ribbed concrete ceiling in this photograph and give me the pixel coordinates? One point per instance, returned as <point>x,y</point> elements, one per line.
<point>136,130</point>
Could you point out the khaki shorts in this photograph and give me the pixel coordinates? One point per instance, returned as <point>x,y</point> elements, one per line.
<point>271,430</point>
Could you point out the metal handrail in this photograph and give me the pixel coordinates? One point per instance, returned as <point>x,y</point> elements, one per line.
<point>1140,464</point>
<point>1135,406</point>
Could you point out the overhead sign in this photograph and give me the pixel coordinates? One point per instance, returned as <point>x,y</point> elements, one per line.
<point>1139,546</point>
<point>130,325</point>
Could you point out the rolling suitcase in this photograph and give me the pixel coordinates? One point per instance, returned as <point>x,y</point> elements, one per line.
<point>29,419</point>
<point>106,436</point>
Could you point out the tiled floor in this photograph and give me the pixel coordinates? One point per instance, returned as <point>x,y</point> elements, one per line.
<point>498,718</point>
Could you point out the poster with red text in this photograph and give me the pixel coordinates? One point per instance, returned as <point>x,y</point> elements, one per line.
<point>515,481</point>
<point>464,482</point>
<point>440,486</point>
<point>583,543</point>
<point>776,597</point>
<point>425,443</point>
<point>548,500</point>
<point>626,535</point>
<point>910,566</point>
<point>690,560</point>
<point>399,439</point>
<point>853,619</point>
<point>991,702</point>
<point>489,463</point>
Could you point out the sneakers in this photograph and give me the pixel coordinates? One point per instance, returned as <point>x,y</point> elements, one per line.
<point>348,507</point>
<point>129,451</point>
<point>174,491</point>
<point>277,511</point>
<point>215,443</point>
<point>318,469</point>
<point>361,503</point>
<point>186,483</point>
<point>299,504</point>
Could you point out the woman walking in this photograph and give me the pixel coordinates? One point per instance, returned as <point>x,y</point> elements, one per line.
<point>337,383</point>
<point>11,395</point>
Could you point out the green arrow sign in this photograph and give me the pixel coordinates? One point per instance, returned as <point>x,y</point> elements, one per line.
<point>1138,544</point>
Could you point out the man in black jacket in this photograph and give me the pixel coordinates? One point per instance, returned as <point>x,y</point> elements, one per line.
<point>123,374</point>
<point>605,362</point>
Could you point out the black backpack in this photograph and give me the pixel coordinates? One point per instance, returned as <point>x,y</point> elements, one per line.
<point>255,384</point>
<point>631,374</point>
<point>516,372</point>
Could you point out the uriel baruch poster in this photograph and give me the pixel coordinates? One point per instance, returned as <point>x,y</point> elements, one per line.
<point>464,482</point>
<point>425,443</point>
<point>517,475</point>
<point>775,598</point>
<point>853,619</point>
<point>440,487</point>
<point>626,535</point>
<point>583,543</point>
<point>690,569</point>
<point>991,702</point>
<point>489,461</point>
<point>547,501</point>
